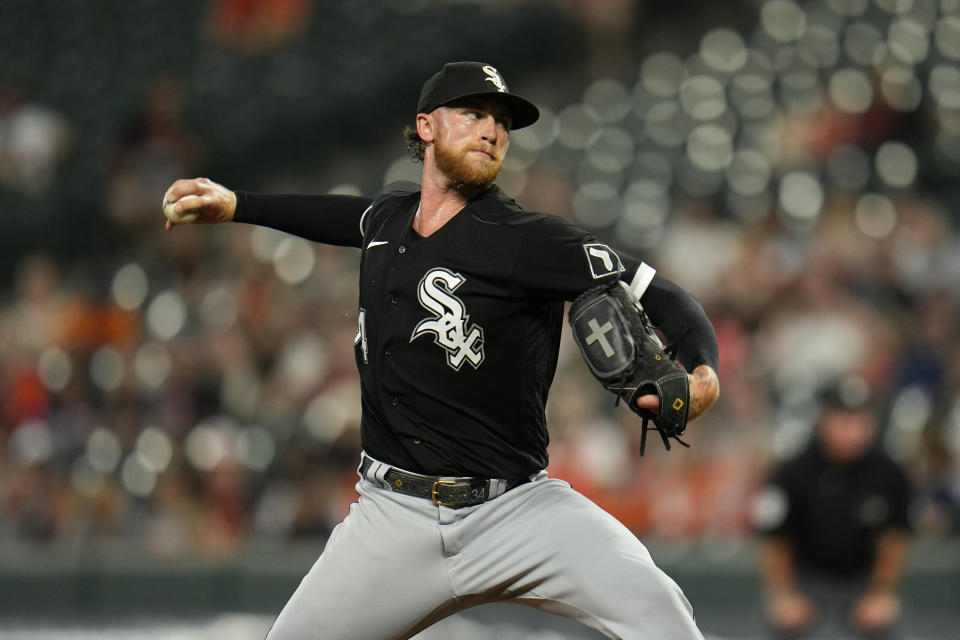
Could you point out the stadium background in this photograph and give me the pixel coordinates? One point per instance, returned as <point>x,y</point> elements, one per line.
<point>179,411</point>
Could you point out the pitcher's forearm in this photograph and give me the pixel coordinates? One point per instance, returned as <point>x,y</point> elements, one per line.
<point>704,390</point>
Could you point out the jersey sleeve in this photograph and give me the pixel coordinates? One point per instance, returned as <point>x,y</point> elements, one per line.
<point>558,260</point>
<point>772,512</point>
<point>683,322</point>
<point>329,219</point>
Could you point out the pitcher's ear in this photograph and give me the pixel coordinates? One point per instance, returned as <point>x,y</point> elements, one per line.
<point>425,126</point>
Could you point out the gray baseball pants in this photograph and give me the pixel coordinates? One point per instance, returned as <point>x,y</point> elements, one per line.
<point>397,564</point>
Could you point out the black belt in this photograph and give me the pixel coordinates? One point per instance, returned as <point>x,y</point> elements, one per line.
<point>455,493</point>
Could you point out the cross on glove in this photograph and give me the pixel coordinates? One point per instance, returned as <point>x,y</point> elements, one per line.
<point>624,353</point>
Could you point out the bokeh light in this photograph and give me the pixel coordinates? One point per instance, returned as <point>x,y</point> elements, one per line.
<point>748,172</point>
<point>130,286</point>
<point>896,164</point>
<point>597,204</point>
<point>901,89</point>
<point>800,196</point>
<point>103,450</point>
<point>293,260</point>
<point>578,124</point>
<point>723,50</point>
<point>702,97</point>
<point>211,442</point>
<point>783,20</point>
<point>851,91</point>
<point>54,368</point>
<point>167,315</point>
<point>218,309</point>
<point>152,365</point>
<point>661,74</point>
<point>875,215</point>
<point>137,479</point>
<point>32,442</point>
<point>255,448</point>
<point>107,368</point>
<point>609,99</point>
<point>154,449</point>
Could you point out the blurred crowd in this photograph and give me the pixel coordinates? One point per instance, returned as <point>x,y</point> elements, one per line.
<point>196,389</point>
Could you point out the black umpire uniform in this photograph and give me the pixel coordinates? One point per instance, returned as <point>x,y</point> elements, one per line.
<point>832,513</point>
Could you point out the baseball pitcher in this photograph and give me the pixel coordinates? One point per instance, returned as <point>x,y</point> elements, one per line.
<point>460,313</point>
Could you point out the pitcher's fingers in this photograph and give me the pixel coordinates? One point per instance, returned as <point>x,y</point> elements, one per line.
<point>183,187</point>
<point>649,401</point>
<point>191,202</point>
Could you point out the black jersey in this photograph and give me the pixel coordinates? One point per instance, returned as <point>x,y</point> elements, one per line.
<point>833,513</point>
<point>459,332</point>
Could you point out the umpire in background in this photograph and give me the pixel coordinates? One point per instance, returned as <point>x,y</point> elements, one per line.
<point>835,527</point>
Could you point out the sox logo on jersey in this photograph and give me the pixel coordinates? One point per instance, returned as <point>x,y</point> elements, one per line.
<point>450,323</point>
<point>603,260</point>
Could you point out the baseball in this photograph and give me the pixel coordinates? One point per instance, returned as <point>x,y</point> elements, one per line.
<point>179,218</point>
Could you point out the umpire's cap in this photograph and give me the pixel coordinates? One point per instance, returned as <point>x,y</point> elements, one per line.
<point>847,393</point>
<point>459,80</point>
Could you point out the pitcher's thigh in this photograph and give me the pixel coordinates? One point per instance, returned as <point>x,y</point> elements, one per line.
<point>379,577</point>
<point>595,570</point>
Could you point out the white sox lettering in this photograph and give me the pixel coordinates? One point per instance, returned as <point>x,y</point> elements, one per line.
<point>451,324</point>
<point>494,77</point>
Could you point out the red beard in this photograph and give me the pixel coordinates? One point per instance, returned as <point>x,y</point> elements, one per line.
<point>464,169</point>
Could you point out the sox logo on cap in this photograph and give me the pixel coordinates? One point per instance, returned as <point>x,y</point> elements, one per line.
<point>494,76</point>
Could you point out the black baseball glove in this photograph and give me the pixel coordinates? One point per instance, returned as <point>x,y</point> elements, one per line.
<point>625,354</point>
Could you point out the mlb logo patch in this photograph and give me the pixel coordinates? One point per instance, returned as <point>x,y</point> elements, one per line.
<point>603,260</point>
